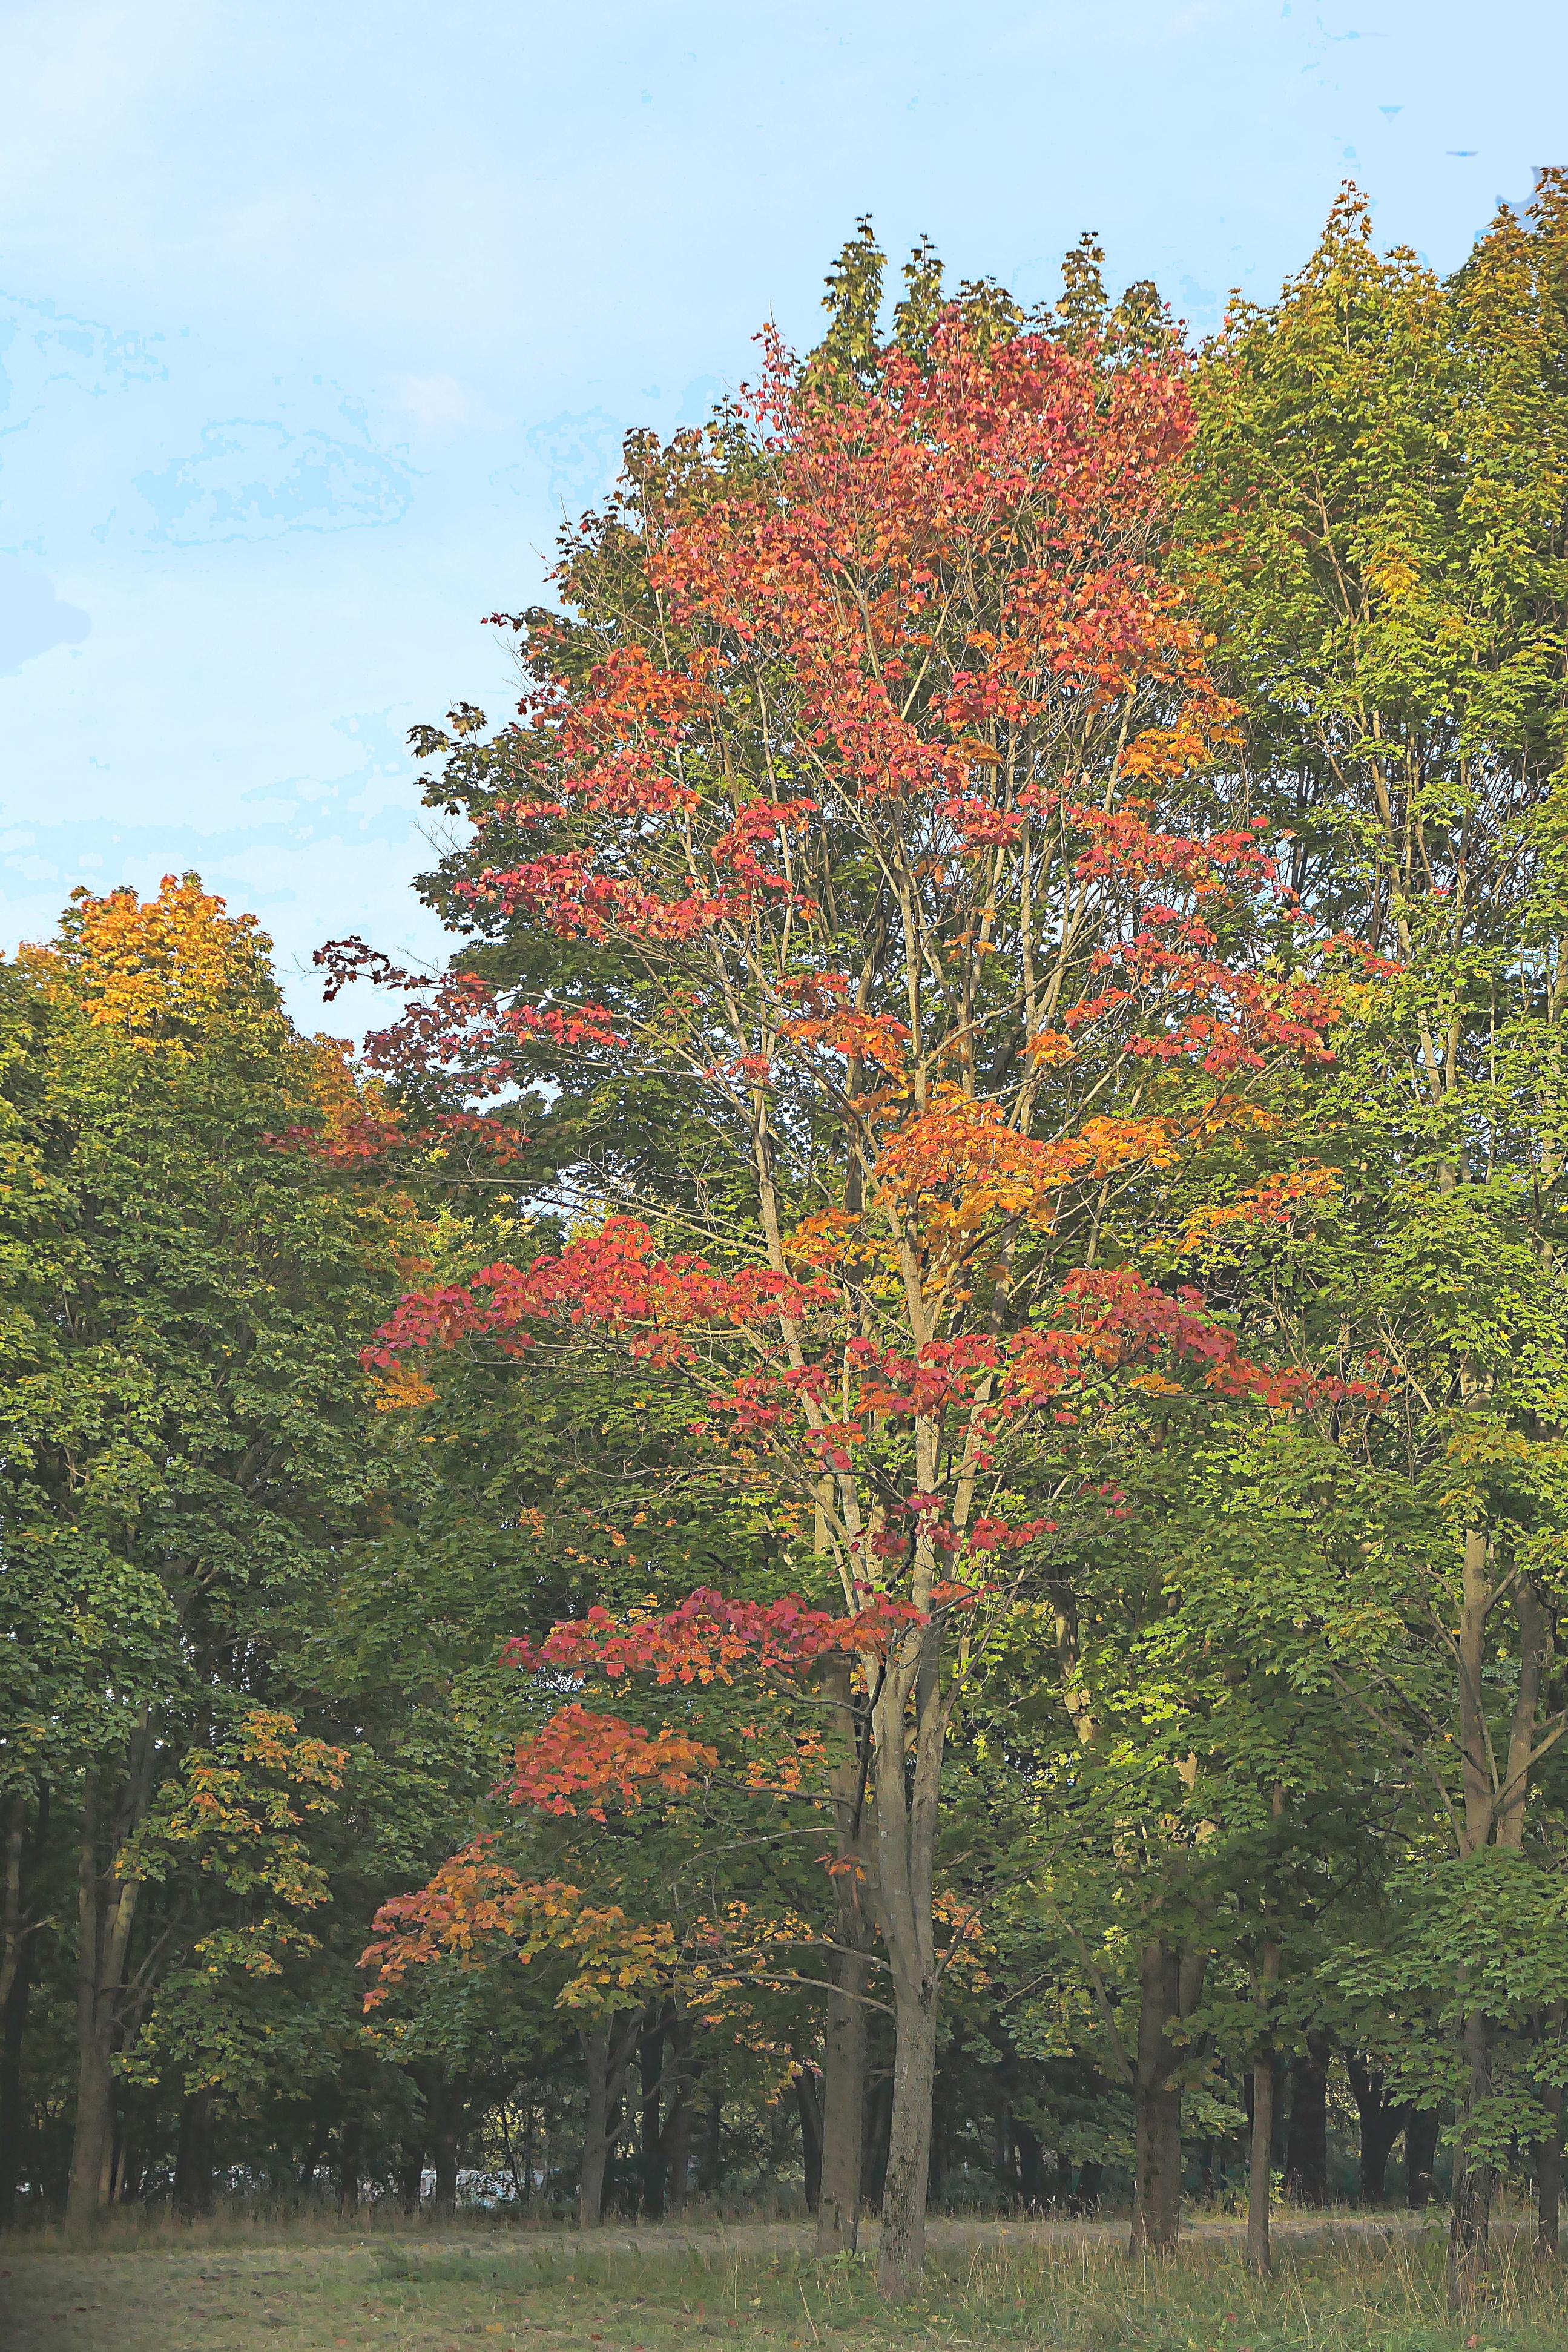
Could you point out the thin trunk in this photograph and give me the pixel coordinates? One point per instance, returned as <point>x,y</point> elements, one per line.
<point>351,2133</point>
<point>1549,2148</point>
<point>1260,2155</point>
<point>1469,2219</point>
<point>1258,2256</point>
<point>95,2088</point>
<point>651,2055</point>
<point>1549,2175</point>
<point>808,2108</point>
<point>843,2109</point>
<point>595,2128</point>
<point>1156,2106</point>
<point>20,1939</point>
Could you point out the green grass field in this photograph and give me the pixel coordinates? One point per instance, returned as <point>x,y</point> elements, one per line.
<point>318,2287</point>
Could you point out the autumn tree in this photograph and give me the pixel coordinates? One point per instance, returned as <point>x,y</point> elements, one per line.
<point>859,778</point>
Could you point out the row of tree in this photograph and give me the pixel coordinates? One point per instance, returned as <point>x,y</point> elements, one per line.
<point>944,1341</point>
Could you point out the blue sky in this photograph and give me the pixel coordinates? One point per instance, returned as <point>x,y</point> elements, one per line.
<point>314,317</point>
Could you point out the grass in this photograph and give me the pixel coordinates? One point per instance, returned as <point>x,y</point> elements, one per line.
<point>318,2287</point>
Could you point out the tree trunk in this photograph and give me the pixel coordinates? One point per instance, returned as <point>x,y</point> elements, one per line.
<point>444,2154</point>
<point>193,2159</point>
<point>1088,2179</point>
<point>1307,2138</point>
<point>315,2148</point>
<point>843,2109</point>
<point>16,1980</point>
<point>1260,2155</point>
<point>651,2150</point>
<point>410,2179</point>
<point>93,2132</point>
<point>350,2134</point>
<point>1259,2158</point>
<point>808,2106</point>
<point>1381,2121</point>
<point>901,2254</point>
<point>106,1913</point>
<point>1548,2175</point>
<point>1421,2135</point>
<point>878,2116</point>
<point>1156,2106</point>
<point>1549,2148</point>
<point>1469,2216</point>
<point>675,2139</point>
<point>607,2048</point>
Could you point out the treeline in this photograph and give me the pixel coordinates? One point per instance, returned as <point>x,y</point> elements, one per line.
<point>883,1499</point>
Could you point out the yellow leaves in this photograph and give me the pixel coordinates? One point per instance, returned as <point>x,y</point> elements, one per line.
<point>151,968</point>
<point>402,1389</point>
<point>1392,575</point>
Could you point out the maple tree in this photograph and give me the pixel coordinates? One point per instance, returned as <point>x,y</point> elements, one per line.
<point>872,777</point>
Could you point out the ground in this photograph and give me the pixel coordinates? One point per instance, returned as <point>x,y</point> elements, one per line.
<point>233,2286</point>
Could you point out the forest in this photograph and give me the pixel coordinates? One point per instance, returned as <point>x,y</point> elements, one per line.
<point>872,1518</point>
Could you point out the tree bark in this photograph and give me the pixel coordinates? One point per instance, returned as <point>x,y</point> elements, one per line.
<point>95,2088</point>
<point>1549,2175</point>
<point>901,2254</point>
<point>1156,2105</point>
<point>905,1868</point>
<point>650,2150</point>
<point>17,1982</point>
<point>607,2048</point>
<point>808,2108</point>
<point>1260,2155</point>
<point>1307,2138</point>
<point>1469,2216</point>
<point>106,1913</point>
<point>843,2109</point>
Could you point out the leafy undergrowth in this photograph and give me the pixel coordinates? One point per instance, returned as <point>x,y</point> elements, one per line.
<point>309,2289</point>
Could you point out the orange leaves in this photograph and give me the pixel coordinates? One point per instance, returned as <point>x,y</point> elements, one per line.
<point>475,1905</point>
<point>592,1757</point>
<point>859,1036</point>
<point>1270,1202</point>
<point>961,1165</point>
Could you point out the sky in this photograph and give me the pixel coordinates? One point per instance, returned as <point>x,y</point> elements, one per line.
<point>315,319</point>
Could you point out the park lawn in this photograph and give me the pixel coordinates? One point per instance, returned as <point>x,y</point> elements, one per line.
<point>313,2289</point>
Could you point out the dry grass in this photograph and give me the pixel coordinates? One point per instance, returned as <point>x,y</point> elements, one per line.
<point>233,2286</point>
